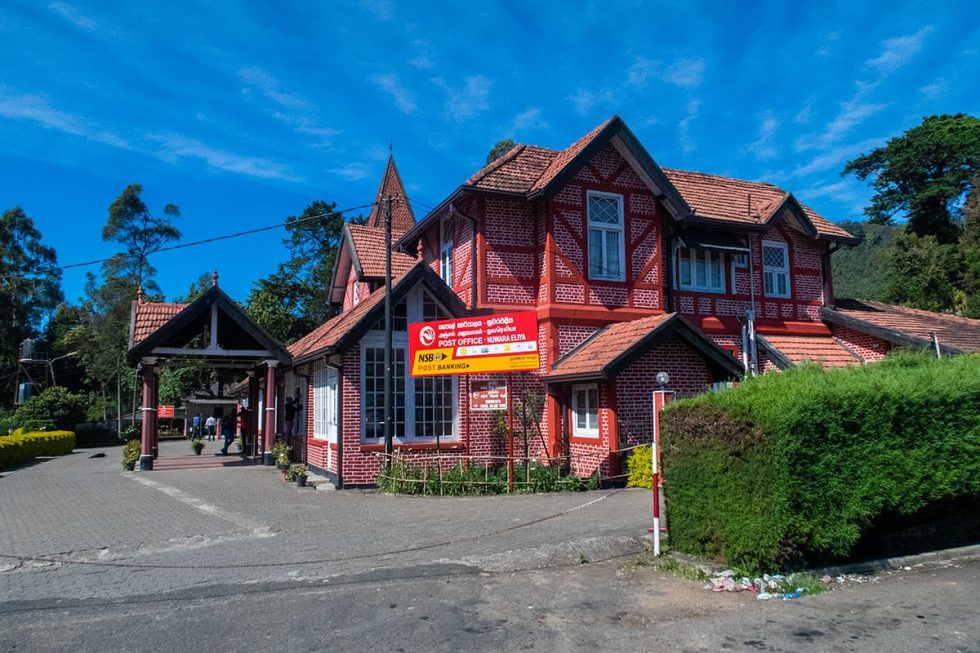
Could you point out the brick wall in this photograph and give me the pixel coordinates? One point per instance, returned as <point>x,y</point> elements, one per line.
<point>868,347</point>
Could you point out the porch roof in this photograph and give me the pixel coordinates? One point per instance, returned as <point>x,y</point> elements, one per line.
<point>788,351</point>
<point>906,327</point>
<point>613,347</point>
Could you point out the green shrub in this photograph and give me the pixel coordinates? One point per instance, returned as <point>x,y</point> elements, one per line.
<point>22,448</point>
<point>131,452</point>
<point>796,466</point>
<point>54,409</point>
<point>405,478</point>
<point>638,464</point>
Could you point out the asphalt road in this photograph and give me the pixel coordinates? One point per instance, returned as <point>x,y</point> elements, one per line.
<point>92,559</point>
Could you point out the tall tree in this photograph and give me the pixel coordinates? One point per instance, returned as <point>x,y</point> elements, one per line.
<point>30,287</point>
<point>295,298</point>
<point>970,251</point>
<point>923,272</point>
<point>861,271</point>
<point>499,149</point>
<point>132,225</point>
<point>923,174</point>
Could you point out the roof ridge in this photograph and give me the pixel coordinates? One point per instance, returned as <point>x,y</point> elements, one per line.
<point>923,313</point>
<point>496,163</point>
<point>668,169</point>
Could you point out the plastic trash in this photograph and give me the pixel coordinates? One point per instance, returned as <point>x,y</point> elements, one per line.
<point>795,594</point>
<point>765,596</point>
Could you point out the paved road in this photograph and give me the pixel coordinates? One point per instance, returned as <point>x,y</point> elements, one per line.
<point>237,560</point>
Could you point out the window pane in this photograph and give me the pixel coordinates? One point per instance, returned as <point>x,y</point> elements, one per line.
<point>603,210</point>
<point>593,408</point>
<point>580,410</point>
<point>773,257</point>
<point>767,279</point>
<point>700,270</point>
<point>716,272</point>
<point>781,284</point>
<point>685,273</point>
<point>612,254</point>
<point>595,253</point>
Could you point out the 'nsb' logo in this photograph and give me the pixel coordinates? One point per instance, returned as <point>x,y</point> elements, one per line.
<point>427,336</point>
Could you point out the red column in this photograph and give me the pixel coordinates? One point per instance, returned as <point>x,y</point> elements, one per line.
<point>612,412</point>
<point>149,411</point>
<point>253,411</point>
<point>270,412</point>
<point>155,384</point>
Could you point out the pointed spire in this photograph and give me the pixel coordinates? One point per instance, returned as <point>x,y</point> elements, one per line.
<point>418,250</point>
<point>402,216</point>
<point>139,294</point>
<point>214,279</point>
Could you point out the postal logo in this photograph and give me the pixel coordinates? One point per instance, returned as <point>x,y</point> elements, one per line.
<point>427,336</point>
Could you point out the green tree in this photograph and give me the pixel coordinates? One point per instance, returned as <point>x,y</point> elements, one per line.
<point>970,252</point>
<point>862,271</point>
<point>54,408</point>
<point>923,272</point>
<point>923,174</point>
<point>30,288</point>
<point>197,288</point>
<point>132,225</point>
<point>499,149</point>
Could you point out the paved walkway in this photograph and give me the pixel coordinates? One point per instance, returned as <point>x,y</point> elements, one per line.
<point>78,527</point>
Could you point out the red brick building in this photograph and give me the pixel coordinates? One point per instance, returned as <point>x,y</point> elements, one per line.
<point>631,269</point>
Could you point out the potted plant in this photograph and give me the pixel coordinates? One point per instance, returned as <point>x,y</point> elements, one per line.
<point>130,454</point>
<point>281,451</point>
<point>197,444</point>
<point>297,473</point>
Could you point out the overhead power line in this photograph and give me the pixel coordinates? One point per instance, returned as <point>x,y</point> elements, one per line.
<point>196,243</point>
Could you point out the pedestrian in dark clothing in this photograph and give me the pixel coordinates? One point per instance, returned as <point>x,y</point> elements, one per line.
<point>228,430</point>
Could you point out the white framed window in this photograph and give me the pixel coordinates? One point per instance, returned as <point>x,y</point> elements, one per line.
<point>356,293</point>
<point>740,261</point>
<point>775,269</point>
<point>424,407</point>
<point>446,254</point>
<point>325,403</point>
<point>606,249</point>
<point>585,411</point>
<point>700,269</point>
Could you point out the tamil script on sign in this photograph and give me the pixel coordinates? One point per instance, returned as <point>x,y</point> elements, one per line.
<point>506,342</point>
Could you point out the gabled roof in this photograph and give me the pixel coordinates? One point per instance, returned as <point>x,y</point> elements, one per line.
<point>747,203</point>
<point>788,351</point>
<point>609,350</point>
<point>147,317</point>
<point>368,248</point>
<point>402,216</point>
<point>187,323</point>
<point>906,327</point>
<point>341,331</point>
<point>531,171</point>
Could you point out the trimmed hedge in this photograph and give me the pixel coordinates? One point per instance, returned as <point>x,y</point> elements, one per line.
<point>796,467</point>
<point>22,448</point>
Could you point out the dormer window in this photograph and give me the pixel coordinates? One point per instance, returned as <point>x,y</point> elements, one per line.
<point>606,255</point>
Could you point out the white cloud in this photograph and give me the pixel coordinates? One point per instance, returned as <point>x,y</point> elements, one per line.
<point>174,147</point>
<point>853,112</point>
<point>74,16</point>
<point>686,73</point>
<point>763,146</point>
<point>353,171</point>
<point>296,111</point>
<point>35,109</point>
<point>462,104</point>
<point>641,71</point>
<point>684,126</point>
<point>836,157</point>
<point>936,89</point>
<point>257,80</point>
<point>585,100</point>
<point>390,84</point>
<point>528,119</point>
<point>898,51</point>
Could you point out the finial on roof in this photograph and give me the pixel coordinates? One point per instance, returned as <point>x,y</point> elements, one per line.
<point>139,293</point>
<point>214,278</point>
<point>418,250</point>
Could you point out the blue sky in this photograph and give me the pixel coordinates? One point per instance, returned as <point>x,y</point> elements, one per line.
<point>242,113</point>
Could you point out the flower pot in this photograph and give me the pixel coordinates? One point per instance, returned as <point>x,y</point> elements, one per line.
<point>130,466</point>
<point>301,480</point>
<point>197,452</point>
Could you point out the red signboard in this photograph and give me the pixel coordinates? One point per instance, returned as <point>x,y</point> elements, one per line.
<point>165,411</point>
<point>488,395</point>
<point>506,342</point>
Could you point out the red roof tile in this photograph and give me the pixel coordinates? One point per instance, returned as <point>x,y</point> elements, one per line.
<point>595,354</point>
<point>727,199</point>
<point>958,333</point>
<point>515,172</point>
<point>815,349</point>
<point>402,216</point>
<point>369,246</point>
<point>151,316</point>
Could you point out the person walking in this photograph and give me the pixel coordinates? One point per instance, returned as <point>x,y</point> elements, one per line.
<point>196,425</point>
<point>211,424</point>
<point>243,429</point>
<point>290,411</point>
<point>228,431</point>
<point>297,415</point>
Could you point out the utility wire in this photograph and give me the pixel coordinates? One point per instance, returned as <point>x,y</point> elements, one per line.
<point>204,241</point>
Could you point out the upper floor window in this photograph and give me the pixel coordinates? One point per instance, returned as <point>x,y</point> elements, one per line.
<point>446,255</point>
<point>775,269</point>
<point>700,269</point>
<point>606,252</point>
